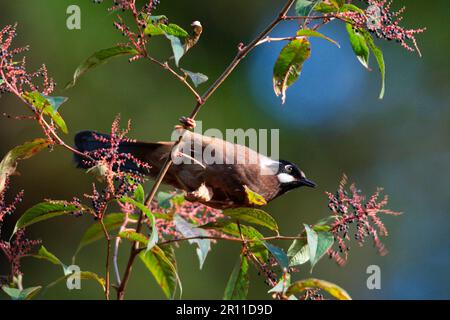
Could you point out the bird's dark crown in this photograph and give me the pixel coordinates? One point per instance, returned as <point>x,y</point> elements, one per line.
<point>291,177</point>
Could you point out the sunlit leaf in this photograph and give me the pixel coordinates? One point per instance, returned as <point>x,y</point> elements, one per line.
<point>9,163</point>
<point>251,215</point>
<point>359,45</point>
<point>318,244</point>
<point>99,58</point>
<point>329,287</point>
<point>254,198</point>
<point>40,102</point>
<point>161,263</point>
<point>139,194</point>
<point>189,230</point>
<point>289,65</point>
<point>238,284</point>
<point>160,29</point>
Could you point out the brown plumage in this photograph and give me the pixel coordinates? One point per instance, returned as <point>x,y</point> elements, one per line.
<point>212,171</point>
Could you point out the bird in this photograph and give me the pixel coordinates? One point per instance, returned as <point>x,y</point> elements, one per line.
<point>210,171</point>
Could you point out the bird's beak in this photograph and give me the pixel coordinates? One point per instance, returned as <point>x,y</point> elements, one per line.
<point>308,183</point>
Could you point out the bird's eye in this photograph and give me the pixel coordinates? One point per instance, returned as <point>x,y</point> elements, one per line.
<point>288,168</point>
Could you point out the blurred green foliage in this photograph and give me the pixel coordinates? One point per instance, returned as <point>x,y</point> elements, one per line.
<point>401,143</point>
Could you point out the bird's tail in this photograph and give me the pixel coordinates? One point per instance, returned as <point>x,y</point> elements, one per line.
<point>88,141</point>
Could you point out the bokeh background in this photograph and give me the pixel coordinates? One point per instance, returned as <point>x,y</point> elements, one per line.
<point>332,123</point>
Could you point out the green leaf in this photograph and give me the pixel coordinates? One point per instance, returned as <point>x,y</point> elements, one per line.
<point>196,77</point>
<point>359,45</point>
<point>160,261</point>
<point>132,235</point>
<point>25,294</point>
<point>304,7</point>
<point>99,58</point>
<point>289,65</point>
<point>8,164</point>
<point>318,244</point>
<point>298,252</point>
<point>337,3</point>
<point>177,48</point>
<point>278,254</point>
<point>282,284</point>
<point>153,239</point>
<point>139,194</point>
<point>313,33</point>
<point>174,30</point>
<point>238,284</point>
<point>351,7</point>
<point>84,275</point>
<point>232,228</point>
<point>1,81</point>
<point>254,198</point>
<point>254,216</point>
<point>160,29</point>
<point>259,250</point>
<point>43,211</point>
<point>55,102</point>
<point>189,230</point>
<point>378,56</point>
<point>40,102</point>
<point>325,8</point>
<point>329,287</point>
<point>44,254</point>
<point>164,199</point>
<point>111,221</point>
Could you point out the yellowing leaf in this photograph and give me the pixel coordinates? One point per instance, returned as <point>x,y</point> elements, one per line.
<point>9,163</point>
<point>254,198</point>
<point>329,287</point>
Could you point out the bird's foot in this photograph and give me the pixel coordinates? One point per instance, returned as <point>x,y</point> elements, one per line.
<point>202,194</point>
<point>186,123</point>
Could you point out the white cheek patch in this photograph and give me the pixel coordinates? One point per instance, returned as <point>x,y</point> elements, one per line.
<point>285,178</point>
<point>268,167</point>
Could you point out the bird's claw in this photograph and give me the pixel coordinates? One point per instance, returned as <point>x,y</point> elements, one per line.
<point>187,123</point>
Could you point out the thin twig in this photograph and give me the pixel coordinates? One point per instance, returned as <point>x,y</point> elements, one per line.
<point>108,252</point>
<point>242,52</point>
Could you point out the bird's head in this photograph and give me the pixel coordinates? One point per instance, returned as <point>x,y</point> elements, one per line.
<point>291,177</point>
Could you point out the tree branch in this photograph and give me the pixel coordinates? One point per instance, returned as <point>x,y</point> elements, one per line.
<point>242,52</point>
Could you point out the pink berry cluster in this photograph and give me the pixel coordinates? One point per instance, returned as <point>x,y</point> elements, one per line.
<point>14,76</point>
<point>137,38</point>
<point>110,162</point>
<point>378,18</point>
<point>20,246</point>
<point>195,213</point>
<point>350,208</point>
